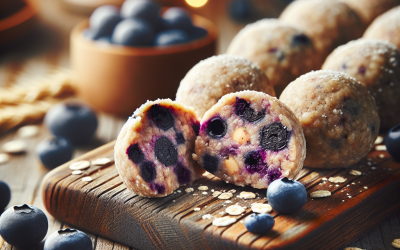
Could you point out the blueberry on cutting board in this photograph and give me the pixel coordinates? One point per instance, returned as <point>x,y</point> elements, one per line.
<point>5,195</point>
<point>54,152</point>
<point>259,223</point>
<point>133,32</point>
<point>23,226</point>
<point>68,239</point>
<point>286,196</point>
<point>73,121</point>
<point>392,142</point>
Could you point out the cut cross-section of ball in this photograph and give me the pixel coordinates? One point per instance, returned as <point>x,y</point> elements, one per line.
<point>153,152</point>
<point>250,138</point>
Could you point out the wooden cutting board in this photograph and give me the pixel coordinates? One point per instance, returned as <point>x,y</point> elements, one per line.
<point>105,207</point>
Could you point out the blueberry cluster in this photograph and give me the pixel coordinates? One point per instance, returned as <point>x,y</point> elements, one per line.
<point>72,124</point>
<point>139,23</point>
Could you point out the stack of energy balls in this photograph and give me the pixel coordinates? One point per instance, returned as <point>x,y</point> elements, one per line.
<point>336,94</point>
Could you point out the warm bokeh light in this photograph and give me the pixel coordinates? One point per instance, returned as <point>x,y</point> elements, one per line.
<point>196,3</point>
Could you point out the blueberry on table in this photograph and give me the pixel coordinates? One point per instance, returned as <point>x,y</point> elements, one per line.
<point>286,196</point>
<point>392,142</point>
<point>177,18</point>
<point>73,121</point>
<point>103,20</point>
<point>170,37</point>
<point>5,195</point>
<point>133,32</point>
<point>143,9</point>
<point>54,152</point>
<point>23,226</point>
<point>68,239</point>
<point>259,223</point>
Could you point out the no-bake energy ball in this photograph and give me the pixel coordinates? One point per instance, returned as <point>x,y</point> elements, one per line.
<point>376,64</point>
<point>250,138</point>
<point>216,76</point>
<point>328,23</point>
<point>338,115</point>
<point>386,27</point>
<point>282,51</point>
<point>153,152</point>
<point>368,10</point>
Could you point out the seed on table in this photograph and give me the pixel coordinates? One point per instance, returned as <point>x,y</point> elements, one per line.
<point>87,179</point>
<point>15,147</point>
<point>247,195</point>
<point>189,190</point>
<point>28,131</point>
<point>380,148</point>
<point>320,194</point>
<point>4,158</point>
<point>101,161</point>
<point>261,208</point>
<point>79,165</point>
<point>396,243</point>
<point>203,188</point>
<point>378,140</point>
<point>216,193</point>
<point>337,179</point>
<point>225,196</point>
<point>76,172</point>
<point>235,210</point>
<point>224,221</point>
<point>355,172</point>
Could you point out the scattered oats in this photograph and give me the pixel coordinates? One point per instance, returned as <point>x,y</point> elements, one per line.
<point>88,179</point>
<point>381,156</point>
<point>320,183</point>
<point>365,187</point>
<point>379,140</point>
<point>355,172</point>
<point>101,161</point>
<point>337,185</point>
<point>342,200</point>
<point>28,131</point>
<point>373,168</point>
<point>195,194</point>
<point>204,193</point>
<point>216,193</point>
<point>173,200</point>
<point>224,221</point>
<point>226,181</point>
<point>205,206</point>
<point>261,208</point>
<point>380,148</point>
<point>179,191</point>
<point>324,179</point>
<point>242,221</point>
<point>353,248</point>
<point>320,194</point>
<point>247,195</point>
<point>79,165</point>
<point>330,185</point>
<point>14,147</point>
<point>189,190</point>
<point>228,201</point>
<point>349,197</point>
<point>207,217</point>
<point>337,179</point>
<point>222,213</point>
<point>196,209</point>
<point>235,210</point>
<point>232,191</point>
<point>203,188</point>
<point>225,196</point>
<point>4,158</point>
<point>76,172</point>
<point>174,192</point>
<point>396,243</point>
<point>212,190</point>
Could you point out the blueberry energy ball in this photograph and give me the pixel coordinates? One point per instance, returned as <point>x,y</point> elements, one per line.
<point>386,27</point>
<point>282,51</point>
<point>338,115</point>
<point>368,10</point>
<point>250,138</point>
<point>376,64</point>
<point>328,23</point>
<point>153,152</point>
<point>219,75</point>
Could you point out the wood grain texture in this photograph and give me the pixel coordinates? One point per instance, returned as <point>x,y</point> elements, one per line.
<point>105,207</point>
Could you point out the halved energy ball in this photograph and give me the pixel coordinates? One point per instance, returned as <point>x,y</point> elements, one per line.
<point>250,138</point>
<point>153,152</point>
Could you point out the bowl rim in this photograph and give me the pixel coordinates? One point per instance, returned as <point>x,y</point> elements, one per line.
<point>18,18</point>
<point>77,37</point>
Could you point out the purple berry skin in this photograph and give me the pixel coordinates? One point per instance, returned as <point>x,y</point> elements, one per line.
<point>177,18</point>
<point>286,196</point>
<point>144,10</point>
<point>54,152</point>
<point>68,239</point>
<point>5,195</point>
<point>392,142</point>
<point>73,121</point>
<point>133,32</point>
<point>103,21</point>
<point>259,223</point>
<point>23,226</point>
<point>171,37</point>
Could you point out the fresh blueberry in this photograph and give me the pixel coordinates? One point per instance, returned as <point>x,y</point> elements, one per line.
<point>135,154</point>
<point>392,142</point>
<point>143,9</point>
<point>68,239</point>
<point>197,33</point>
<point>103,20</point>
<point>54,152</point>
<point>161,116</point>
<point>133,32</point>
<point>5,195</point>
<point>286,196</point>
<point>216,127</point>
<point>23,226</point>
<point>75,122</point>
<point>165,151</point>
<point>148,171</point>
<point>210,163</point>
<point>243,109</point>
<point>274,137</point>
<point>177,18</point>
<point>171,37</point>
<point>241,10</point>
<point>259,223</point>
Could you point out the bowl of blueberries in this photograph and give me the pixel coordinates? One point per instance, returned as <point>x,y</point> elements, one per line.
<point>124,56</point>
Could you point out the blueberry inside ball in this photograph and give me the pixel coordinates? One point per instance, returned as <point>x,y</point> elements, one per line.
<point>183,174</point>
<point>254,162</point>
<point>216,127</point>
<point>392,142</point>
<point>274,137</point>
<point>301,40</point>
<point>68,239</point>
<point>243,109</point>
<point>210,163</point>
<point>161,117</point>
<point>148,171</point>
<point>165,151</point>
<point>135,154</point>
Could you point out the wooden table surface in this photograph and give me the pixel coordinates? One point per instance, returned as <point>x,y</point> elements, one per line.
<point>45,50</point>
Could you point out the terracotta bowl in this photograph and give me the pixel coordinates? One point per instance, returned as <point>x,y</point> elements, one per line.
<point>118,79</point>
<point>14,26</point>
